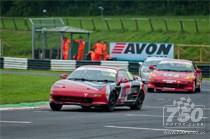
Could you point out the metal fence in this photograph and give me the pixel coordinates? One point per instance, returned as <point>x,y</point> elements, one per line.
<point>121,24</point>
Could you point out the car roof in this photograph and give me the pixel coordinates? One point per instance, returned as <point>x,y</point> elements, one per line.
<point>102,67</point>
<point>156,58</point>
<point>177,61</point>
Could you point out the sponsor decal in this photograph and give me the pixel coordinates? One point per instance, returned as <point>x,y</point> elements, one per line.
<point>140,51</point>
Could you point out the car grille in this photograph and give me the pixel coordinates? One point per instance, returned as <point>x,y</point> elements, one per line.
<point>73,99</point>
<point>169,85</point>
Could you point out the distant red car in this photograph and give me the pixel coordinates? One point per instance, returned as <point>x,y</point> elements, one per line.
<point>97,86</point>
<point>175,75</point>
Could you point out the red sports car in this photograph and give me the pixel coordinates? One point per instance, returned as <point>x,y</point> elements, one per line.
<point>95,86</point>
<point>175,75</point>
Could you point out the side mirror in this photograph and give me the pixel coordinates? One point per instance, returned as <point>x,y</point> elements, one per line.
<point>136,77</point>
<point>63,76</point>
<point>125,80</point>
<point>152,67</point>
<point>198,71</point>
<point>122,81</point>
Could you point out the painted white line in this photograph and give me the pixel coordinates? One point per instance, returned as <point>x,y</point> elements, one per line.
<point>145,115</point>
<point>159,107</point>
<point>23,108</point>
<point>14,108</point>
<point>16,122</point>
<point>153,107</point>
<point>150,129</point>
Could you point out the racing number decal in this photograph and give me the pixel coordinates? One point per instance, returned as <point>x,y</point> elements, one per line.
<point>125,90</point>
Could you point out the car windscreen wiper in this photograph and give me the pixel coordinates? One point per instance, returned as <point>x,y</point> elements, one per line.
<point>185,71</point>
<point>166,70</point>
<point>79,79</point>
<point>104,81</point>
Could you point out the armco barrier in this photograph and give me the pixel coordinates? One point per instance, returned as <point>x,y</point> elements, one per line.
<point>15,63</point>
<point>82,63</point>
<point>134,67</point>
<point>39,64</point>
<point>70,65</point>
<point>63,65</point>
<point>121,64</point>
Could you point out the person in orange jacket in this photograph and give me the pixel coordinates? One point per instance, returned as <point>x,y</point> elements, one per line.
<point>98,48</point>
<point>104,49</point>
<point>66,47</point>
<point>81,48</point>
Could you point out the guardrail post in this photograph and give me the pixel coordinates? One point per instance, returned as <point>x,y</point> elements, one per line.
<point>200,57</point>
<point>107,24</point>
<point>196,26</point>
<point>166,25</point>
<point>67,21</point>
<point>93,23</point>
<point>151,26</point>
<point>80,23</point>
<point>15,25</point>
<point>122,25</point>
<point>137,25</point>
<point>178,52</point>
<point>181,26</point>
<point>26,24</point>
<point>2,22</point>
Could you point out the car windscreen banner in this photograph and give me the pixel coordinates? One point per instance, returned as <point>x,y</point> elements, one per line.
<point>139,51</point>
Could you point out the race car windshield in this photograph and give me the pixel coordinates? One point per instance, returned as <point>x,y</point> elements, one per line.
<point>93,75</point>
<point>172,66</point>
<point>149,63</point>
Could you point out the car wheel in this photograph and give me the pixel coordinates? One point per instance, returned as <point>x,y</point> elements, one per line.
<point>86,107</point>
<point>55,107</point>
<point>139,102</point>
<point>199,89</point>
<point>151,90</point>
<point>112,102</point>
<point>194,87</point>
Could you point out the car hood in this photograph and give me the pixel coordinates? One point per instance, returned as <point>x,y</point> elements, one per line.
<point>172,75</point>
<point>80,85</point>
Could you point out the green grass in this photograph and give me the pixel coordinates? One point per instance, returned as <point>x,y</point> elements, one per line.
<point>18,43</point>
<point>17,88</point>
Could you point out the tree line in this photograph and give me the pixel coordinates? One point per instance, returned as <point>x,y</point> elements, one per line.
<point>111,7</point>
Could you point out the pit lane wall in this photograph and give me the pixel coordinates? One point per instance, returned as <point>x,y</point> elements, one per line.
<point>70,65</point>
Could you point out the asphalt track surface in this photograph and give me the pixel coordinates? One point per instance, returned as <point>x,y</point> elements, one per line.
<point>75,123</point>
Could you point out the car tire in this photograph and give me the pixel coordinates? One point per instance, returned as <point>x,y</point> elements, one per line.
<point>194,88</point>
<point>139,102</point>
<point>198,89</point>
<point>85,107</point>
<point>55,107</point>
<point>111,103</point>
<point>150,90</point>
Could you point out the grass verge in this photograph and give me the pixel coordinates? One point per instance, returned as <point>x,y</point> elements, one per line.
<point>17,88</point>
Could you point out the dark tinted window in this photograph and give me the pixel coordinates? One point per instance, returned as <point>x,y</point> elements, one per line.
<point>93,74</point>
<point>175,66</point>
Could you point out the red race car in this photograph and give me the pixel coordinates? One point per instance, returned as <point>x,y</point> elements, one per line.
<point>95,86</point>
<point>175,75</point>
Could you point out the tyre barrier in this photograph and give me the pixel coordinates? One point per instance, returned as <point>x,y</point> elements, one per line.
<point>1,62</point>
<point>39,64</point>
<point>70,65</point>
<point>205,69</point>
<point>85,62</point>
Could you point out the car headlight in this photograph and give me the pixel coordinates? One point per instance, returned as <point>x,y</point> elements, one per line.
<point>152,76</point>
<point>190,78</point>
<point>58,85</point>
